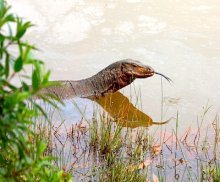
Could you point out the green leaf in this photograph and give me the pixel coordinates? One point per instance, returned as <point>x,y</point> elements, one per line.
<point>9,18</point>
<point>41,148</point>
<point>25,86</point>
<point>1,49</point>
<point>22,28</point>
<point>1,6</point>
<point>7,60</point>
<point>4,18</point>
<point>2,38</point>
<point>40,109</point>
<point>3,9</point>
<point>35,80</point>
<point>27,54</point>
<point>22,96</point>
<point>46,78</point>
<point>18,64</point>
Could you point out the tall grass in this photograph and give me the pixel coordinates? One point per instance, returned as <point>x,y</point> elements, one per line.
<point>102,149</point>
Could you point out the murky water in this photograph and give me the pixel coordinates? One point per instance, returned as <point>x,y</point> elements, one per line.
<point>178,38</point>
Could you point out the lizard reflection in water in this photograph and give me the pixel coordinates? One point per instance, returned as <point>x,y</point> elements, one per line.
<point>124,112</point>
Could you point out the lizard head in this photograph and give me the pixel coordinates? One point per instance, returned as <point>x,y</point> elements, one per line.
<point>126,71</point>
<point>136,69</point>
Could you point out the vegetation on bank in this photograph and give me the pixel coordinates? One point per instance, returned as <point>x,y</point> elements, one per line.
<point>107,147</point>
<point>21,151</point>
<point>102,149</point>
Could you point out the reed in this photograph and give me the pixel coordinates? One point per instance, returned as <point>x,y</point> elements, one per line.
<point>101,149</point>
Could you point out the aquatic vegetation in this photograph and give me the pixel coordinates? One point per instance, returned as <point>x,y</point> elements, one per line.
<point>103,149</point>
<point>108,147</point>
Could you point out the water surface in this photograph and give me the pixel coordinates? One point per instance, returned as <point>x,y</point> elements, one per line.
<point>178,38</point>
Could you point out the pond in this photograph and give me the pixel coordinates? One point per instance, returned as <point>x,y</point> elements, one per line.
<point>180,39</point>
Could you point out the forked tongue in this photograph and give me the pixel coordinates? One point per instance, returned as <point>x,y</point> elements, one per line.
<point>167,78</point>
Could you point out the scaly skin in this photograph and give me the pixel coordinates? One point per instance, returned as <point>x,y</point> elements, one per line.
<point>108,80</point>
